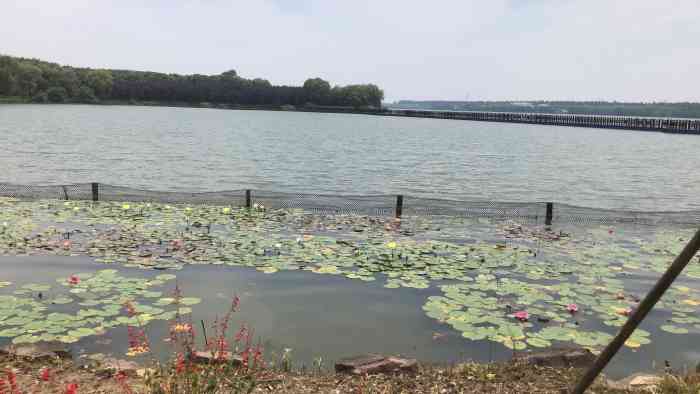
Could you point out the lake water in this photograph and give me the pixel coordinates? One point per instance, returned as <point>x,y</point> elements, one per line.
<point>204,149</point>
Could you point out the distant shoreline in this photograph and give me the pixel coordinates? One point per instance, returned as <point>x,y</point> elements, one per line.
<point>638,123</point>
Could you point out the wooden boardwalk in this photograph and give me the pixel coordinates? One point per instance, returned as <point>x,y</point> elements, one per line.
<point>666,125</point>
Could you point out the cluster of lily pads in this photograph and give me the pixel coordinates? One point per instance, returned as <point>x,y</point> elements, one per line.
<point>82,305</point>
<point>512,284</point>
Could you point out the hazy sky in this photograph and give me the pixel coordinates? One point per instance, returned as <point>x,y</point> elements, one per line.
<point>631,50</point>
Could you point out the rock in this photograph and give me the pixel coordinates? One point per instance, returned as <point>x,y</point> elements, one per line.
<point>638,381</point>
<point>373,364</point>
<point>206,357</point>
<point>569,358</point>
<point>110,366</point>
<point>42,351</point>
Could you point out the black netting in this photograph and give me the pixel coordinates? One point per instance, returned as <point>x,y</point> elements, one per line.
<point>377,205</point>
<point>374,205</point>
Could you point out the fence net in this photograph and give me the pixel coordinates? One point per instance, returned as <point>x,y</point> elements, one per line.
<point>372,205</point>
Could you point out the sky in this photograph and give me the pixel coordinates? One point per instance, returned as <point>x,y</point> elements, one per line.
<point>624,50</point>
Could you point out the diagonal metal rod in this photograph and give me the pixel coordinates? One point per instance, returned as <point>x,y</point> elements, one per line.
<point>644,308</point>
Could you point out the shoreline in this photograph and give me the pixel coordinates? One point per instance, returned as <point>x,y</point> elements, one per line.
<point>45,373</point>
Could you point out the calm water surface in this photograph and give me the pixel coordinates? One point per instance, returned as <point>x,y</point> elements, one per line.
<point>203,149</point>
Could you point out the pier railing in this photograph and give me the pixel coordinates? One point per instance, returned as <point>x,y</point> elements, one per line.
<point>371,205</point>
<point>667,125</point>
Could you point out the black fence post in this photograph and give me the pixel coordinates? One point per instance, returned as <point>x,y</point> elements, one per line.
<point>399,205</point>
<point>248,199</point>
<point>95,191</point>
<point>550,214</point>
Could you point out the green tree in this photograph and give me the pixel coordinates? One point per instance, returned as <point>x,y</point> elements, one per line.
<point>317,90</point>
<point>100,81</point>
<point>86,95</point>
<point>57,94</point>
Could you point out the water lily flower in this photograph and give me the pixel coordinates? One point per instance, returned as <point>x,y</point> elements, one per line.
<point>623,311</point>
<point>73,280</point>
<point>610,231</point>
<point>255,206</point>
<point>572,308</point>
<point>620,296</point>
<point>521,315</point>
<point>66,244</point>
<point>76,209</point>
<point>278,245</point>
<point>226,211</point>
<point>391,245</point>
<point>177,244</point>
<point>126,207</point>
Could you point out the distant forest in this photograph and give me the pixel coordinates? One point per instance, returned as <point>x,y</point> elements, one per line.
<point>32,80</point>
<point>679,110</point>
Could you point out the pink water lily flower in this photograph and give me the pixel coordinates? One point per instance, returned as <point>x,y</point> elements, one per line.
<point>73,280</point>
<point>521,315</point>
<point>572,308</point>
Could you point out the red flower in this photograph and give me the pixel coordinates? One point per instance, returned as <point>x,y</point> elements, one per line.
<point>46,374</point>
<point>72,388</point>
<point>73,280</point>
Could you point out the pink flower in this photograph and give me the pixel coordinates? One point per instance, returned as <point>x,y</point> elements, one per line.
<point>521,315</point>
<point>73,280</point>
<point>572,308</point>
<point>610,231</point>
<point>66,244</point>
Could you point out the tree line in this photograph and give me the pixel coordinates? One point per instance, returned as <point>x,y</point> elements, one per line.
<point>44,82</point>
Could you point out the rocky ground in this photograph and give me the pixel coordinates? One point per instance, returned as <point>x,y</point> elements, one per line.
<point>48,372</point>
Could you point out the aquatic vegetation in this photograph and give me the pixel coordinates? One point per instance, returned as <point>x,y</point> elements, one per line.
<point>521,286</point>
<point>26,317</point>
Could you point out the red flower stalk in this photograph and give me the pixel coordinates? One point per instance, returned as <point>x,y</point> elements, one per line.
<point>46,374</point>
<point>122,381</point>
<point>72,388</point>
<point>12,378</point>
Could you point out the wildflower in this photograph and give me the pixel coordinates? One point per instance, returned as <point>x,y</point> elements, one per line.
<point>126,207</point>
<point>73,280</point>
<point>572,308</point>
<point>521,315</point>
<point>137,350</point>
<point>46,374</point>
<point>391,245</point>
<point>180,364</point>
<point>182,327</point>
<point>72,388</point>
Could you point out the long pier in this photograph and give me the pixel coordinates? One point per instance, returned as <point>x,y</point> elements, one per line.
<point>666,125</point>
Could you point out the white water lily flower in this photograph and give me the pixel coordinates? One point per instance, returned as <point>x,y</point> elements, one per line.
<point>278,245</point>
<point>256,206</point>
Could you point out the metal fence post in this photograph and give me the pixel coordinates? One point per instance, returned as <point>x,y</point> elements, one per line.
<point>399,205</point>
<point>248,199</point>
<point>644,308</point>
<point>95,191</point>
<point>550,214</point>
